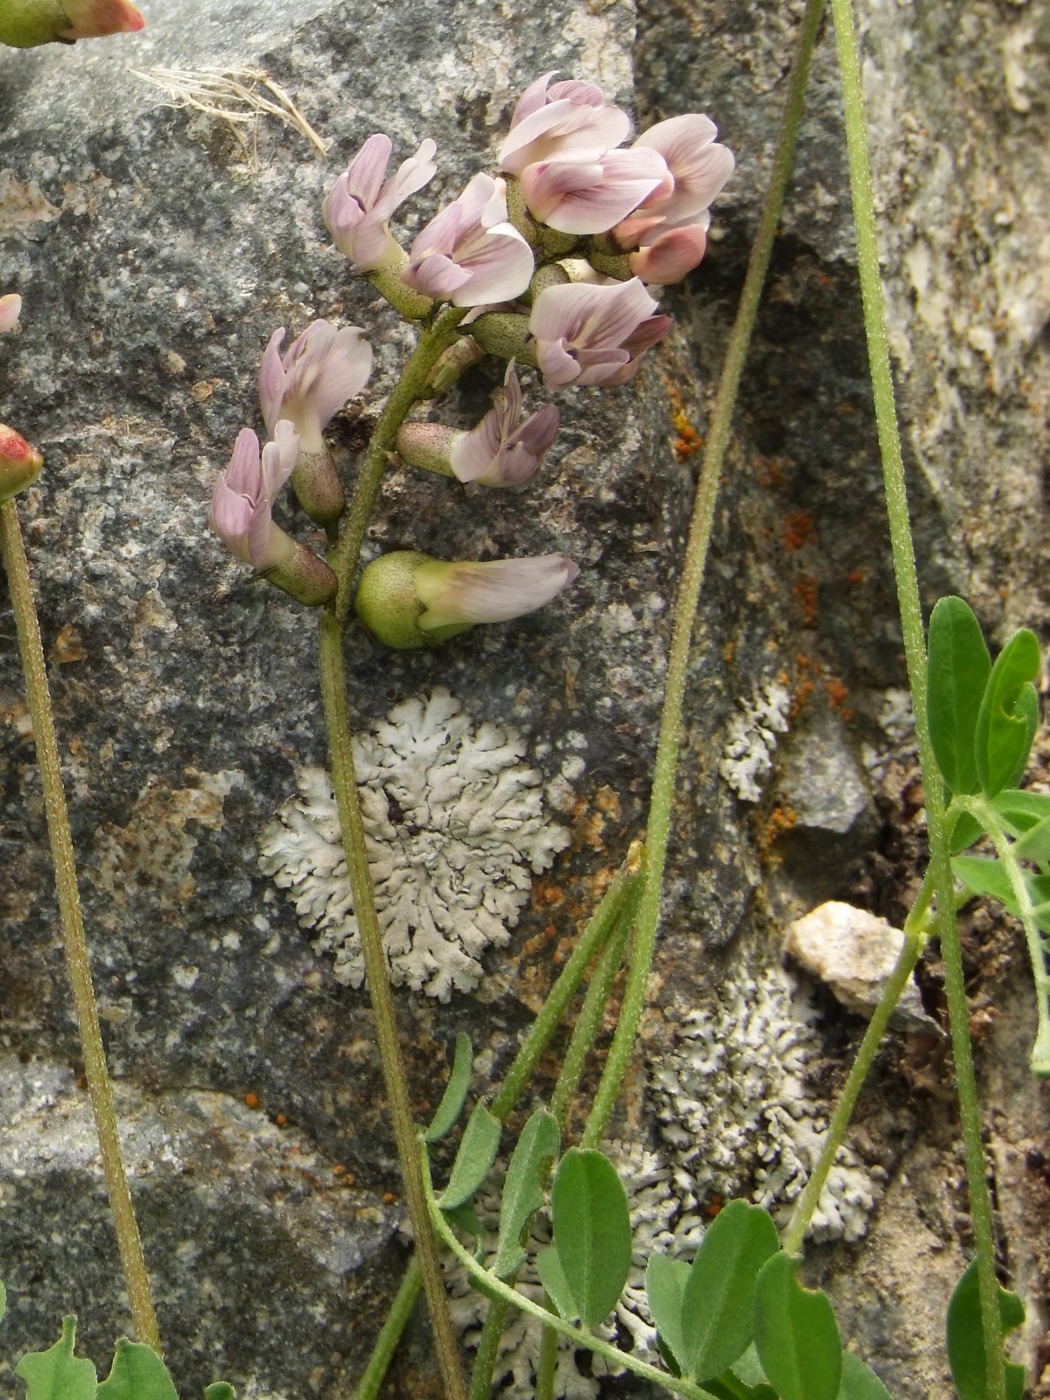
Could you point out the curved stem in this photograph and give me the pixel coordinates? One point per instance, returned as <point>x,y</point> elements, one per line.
<point>344,781</point>
<point>397,1318</point>
<point>915,653</point>
<point>128,1240</point>
<point>659,826</point>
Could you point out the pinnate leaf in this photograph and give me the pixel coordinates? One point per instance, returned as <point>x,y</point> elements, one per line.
<point>523,1190</point>
<point>474,1160</point>
<point>454,1097</point>
<point>796,1334</point>
<point>665,1280</point>
<point>1009,714</point>
<point>966,1354</point>
<point>592,1232</point>
<point>717,1320</point>
<point>56,1374</point>
<point>957,669</point>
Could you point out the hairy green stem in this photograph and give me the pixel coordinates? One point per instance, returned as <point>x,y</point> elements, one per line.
<point>795,1232</point>
<point>493,1287</point>
<point>985,813</point>
<point>128,1240</point>
<point>411,386</point>
<point>397,1318</point>
<point>659,826</point>
<point>344,782</point>
<point>585,1031</point>
<point>915,654</point>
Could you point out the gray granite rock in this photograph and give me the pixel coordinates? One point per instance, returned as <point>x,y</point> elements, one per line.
<point>156,250</point>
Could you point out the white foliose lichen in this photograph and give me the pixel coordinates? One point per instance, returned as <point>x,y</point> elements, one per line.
<point>454,825</point>
<point>647,1181</point>
<point>751,740</point>
<point>740,1117</point>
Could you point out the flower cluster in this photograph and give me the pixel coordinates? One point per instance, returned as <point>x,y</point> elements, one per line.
<point>548,266</point>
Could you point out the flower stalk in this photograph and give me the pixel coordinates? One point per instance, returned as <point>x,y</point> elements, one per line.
<point>74,940</point>
<point>658,830</point>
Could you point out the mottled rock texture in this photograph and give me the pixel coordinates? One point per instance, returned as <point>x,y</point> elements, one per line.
<point>156,250</point>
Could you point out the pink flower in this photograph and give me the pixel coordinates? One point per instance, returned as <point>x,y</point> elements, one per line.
<point>319,372</point>
<point>499,452</point>
<point>10,306</point>
<point>469,254</point>
<point>551,121</point>
<point>244,495</point>
<point>594,334</point>
<point>458,595</point>
<point>699,168</point>
<point>670,255</point>
<point>360,203</point>
<point>407,599</point>
<point>89,19</point>
<point>590,192</point>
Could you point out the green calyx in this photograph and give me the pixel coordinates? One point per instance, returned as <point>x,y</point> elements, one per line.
<point>24,24</point>
<point>387,602</point>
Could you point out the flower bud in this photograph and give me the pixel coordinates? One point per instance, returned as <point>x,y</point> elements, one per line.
<point>410,600</point>
<point>26,23</point>
<point>19,463</point>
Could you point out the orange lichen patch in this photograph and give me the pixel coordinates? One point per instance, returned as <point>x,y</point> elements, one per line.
<point>252,1100</point>
<point>857,577</point>
<point>281,1120</point>
<point>547,894</point>
<point>805,593</point>
<point>772,473</point>
<point>837,694</point>
<point>729,653</point>
<point>688,440</point>
<point>608,802</point>
<point>16,716</point>
<point>782,818</point>
<point>798,530</point>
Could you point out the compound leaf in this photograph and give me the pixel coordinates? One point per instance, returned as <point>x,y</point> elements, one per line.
<point>474,1160</point>
<point>796,1334</point>
<point>718,1303</point>
<point>1009,714</point>
<point>455,1095</point>
<point>592,1231</point>
<point>523,1195</point>
<point>957,669</point>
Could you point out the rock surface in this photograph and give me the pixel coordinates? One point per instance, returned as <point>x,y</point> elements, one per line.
<point>156,250</point>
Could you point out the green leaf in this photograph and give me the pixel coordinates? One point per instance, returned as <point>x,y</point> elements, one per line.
<point>748,1368</point>
<point>56,1374</point>
<point>965,830</point>
<point>592,1231</point>
<point>859,1382</point>
<point>796,1334</point>
<point>957,670</point>
<point>1020,811</point>
<point>465,1218</point>
<point>219,1390</point>
<point>137,1373</point>
<point>552,1276</point>
<point>1009,714</point>
<point>523,1191</point>
<point>984,875</point>
<point>474,1160</point>
<point>966,1354</point>
<point>718,1303</point>
<point>665,1280</point>
<point>455,1095</point>
<point>1034,844</point>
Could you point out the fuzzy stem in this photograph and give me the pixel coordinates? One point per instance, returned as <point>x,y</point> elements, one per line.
<point>659,826</point>
<point>915,654</point>
<point>128,1240</point>
<point>397,1318</point>
<point>344,558</point>
<point>579,1336</point>
<point>344,782</point>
